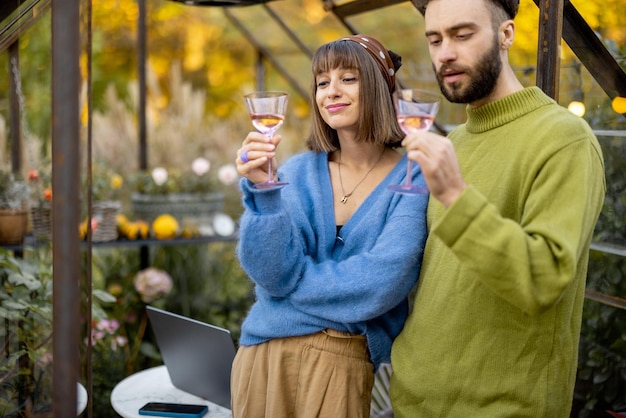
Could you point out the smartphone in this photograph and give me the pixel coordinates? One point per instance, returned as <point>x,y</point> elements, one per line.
<point>179,410</point>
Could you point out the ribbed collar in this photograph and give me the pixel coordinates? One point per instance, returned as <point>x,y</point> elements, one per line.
<point>505,110</point>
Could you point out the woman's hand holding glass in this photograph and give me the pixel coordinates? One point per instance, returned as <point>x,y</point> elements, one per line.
<point>257,152</point>
<point>267,112</point>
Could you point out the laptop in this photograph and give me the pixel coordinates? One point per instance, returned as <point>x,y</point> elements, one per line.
<point>198,356</point>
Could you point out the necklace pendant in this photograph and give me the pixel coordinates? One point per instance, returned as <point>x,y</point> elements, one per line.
<point>344,199</point>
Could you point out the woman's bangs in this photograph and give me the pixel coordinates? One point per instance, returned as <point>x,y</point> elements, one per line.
<point>338,54</point>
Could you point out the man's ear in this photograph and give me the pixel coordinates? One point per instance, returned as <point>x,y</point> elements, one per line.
<point>506,34</point>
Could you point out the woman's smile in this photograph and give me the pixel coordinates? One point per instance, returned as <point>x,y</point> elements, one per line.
<point>336,107</point>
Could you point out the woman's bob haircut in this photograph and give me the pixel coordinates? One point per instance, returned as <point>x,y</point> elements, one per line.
<point>377,122</point>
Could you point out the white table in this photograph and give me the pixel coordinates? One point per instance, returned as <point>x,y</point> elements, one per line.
<point>154,385</point>
<point>81,398</point>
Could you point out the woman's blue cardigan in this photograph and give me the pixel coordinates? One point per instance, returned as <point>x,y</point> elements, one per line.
<point>309,278</point>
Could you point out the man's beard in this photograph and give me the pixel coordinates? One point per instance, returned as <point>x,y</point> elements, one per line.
<point>482,78</point>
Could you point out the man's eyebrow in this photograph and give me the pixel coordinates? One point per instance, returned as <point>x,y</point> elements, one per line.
<point>453,29</point>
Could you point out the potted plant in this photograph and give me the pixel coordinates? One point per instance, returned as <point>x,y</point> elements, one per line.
<point>106,188</point>
<point>192,196</point>
<point>41,202</point>
<point>14,193</point>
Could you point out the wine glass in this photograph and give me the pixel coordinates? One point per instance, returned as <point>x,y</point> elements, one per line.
<point>416,110</point>
<point>267,111</point>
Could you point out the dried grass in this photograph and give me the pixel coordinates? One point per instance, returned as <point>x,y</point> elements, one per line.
<point>177,133</point>
<point>179,129</point>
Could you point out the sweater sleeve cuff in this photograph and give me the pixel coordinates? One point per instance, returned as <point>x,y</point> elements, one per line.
<point>459,215</point>
<point>261,200</point>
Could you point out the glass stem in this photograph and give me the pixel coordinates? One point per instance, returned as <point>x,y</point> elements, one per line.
<point>270,171</point>
<point>409,170</point>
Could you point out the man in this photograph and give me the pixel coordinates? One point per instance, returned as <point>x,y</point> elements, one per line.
<point>515,195</point>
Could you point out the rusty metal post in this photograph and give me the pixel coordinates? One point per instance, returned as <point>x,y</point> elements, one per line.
<point>141,76</point>
<point>549,48</point>
<point>65,205</point>
<point>15,132</point>
<point>142,56</point>
<point>260,71</point>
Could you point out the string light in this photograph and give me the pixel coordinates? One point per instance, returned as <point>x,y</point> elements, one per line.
<point>577,105</point>
<point>619,104</point>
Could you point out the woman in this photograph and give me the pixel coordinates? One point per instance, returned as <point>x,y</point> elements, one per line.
<point>333,254</point>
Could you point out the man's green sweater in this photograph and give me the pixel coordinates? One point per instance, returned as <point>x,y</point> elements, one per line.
<point>495,324</point>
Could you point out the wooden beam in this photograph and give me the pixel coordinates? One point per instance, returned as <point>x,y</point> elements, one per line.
<point>7,7</point>
<point>292,35</point>
<point>591,52</point>
<point>605,299</point>
<point>358,6</point>
<point>18,19</point>
<point>549,48</point>
<point>265,53</point>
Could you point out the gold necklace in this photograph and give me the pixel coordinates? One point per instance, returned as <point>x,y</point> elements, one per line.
<point>344,198</point>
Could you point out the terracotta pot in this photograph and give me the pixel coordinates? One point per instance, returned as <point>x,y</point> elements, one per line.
<point>13,226</point>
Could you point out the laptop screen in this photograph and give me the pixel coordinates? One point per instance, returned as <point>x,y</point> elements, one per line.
<point>198,356</point>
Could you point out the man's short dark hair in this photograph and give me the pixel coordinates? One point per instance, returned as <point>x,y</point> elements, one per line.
<point>509,6</point>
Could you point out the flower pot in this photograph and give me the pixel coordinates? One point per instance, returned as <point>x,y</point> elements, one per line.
<point>13,226</point>
<point>188,208</point>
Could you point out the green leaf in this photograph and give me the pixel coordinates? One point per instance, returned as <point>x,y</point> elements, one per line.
<point>602,376</point>
<point>104,297</point>
<point>27,280</point>
<point>14,304</point>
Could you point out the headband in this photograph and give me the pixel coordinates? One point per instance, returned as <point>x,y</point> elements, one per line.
<point>388,61</point>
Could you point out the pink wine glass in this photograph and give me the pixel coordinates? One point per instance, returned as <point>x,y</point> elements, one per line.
<point>267,111</point>
<point>416,110</point>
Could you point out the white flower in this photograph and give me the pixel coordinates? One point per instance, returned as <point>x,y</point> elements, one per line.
<point>159,175</point>
<point>227,174</point>
<point>200,166</point>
